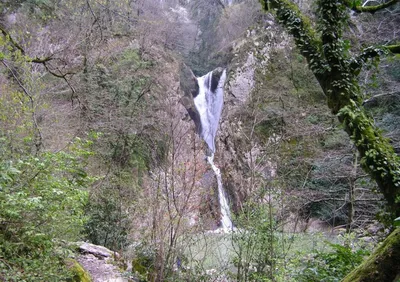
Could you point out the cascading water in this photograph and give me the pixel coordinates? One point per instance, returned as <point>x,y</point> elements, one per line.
<point>208,103</point>
<point>226,223</point>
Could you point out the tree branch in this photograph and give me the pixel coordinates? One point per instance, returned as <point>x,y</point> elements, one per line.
<point>370,9</point>
<point>338,79</point>
<point>13,42</point>
<point>395,48</point>
<point>368,53</point>
<point>299,26</point>
<point>40,60</point>
<point>37,60</point>
<point>372,99</point>
<point>38,141</point>
<point>17,46</point>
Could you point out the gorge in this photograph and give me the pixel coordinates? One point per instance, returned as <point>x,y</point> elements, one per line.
<point>113,130</point>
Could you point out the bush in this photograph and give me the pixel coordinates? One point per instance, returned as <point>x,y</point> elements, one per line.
<point>41,199</point>
<point>331,266</point>
<point>108,223</point>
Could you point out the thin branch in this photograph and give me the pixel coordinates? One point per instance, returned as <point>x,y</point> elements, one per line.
<point>381,95</point>
<point>370,9</point>
<point>19,47</point>
<point>39,138</point>
<point>13,42</point>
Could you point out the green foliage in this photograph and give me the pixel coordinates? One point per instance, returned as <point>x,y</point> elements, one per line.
<point>255,244</point>
<point>108,224</point>
<point>333,265</point>
<point>144,262</point>
<point>42,199</point>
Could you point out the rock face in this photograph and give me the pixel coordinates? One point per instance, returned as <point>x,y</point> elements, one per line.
<point>233,151</point>
<point>99,262</point>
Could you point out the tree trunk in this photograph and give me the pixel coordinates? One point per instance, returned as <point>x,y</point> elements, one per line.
<point>337,74</point>
<point>383,265</point>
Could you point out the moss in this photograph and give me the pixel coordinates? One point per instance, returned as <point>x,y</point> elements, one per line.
<point>79,274</point>
<point>138,267</point>
<point>370,9</point>
<point>382,265</point>
<point>393,48</point>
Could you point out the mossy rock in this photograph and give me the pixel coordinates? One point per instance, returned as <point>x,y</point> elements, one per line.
<point>78,273</point>
<point>138,267</point>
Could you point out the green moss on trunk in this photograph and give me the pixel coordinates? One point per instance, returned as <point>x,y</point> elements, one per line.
<point>370,9</point>
<point>333,68</point>
<point>383,265</point>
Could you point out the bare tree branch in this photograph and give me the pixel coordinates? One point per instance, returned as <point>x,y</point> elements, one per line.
<point>39,139</point>
<point>17,46</point>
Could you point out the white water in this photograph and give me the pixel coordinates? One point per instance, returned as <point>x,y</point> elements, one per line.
<point>226,223</point>
<point>209,106</point>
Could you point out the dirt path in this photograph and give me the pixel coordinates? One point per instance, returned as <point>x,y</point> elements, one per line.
<point>99,262</point>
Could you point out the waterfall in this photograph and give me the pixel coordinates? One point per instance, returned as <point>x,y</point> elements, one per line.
<point>226,223</point>
<point>208,102</point>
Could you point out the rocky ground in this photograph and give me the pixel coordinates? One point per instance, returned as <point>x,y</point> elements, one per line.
<point>100,263</point>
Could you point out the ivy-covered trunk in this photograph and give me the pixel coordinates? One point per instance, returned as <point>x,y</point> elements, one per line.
<point>337,73</point>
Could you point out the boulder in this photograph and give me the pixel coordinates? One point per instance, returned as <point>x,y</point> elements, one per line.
<point>97,251</point>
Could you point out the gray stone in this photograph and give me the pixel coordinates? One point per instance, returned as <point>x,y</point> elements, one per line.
<point>98,251</point>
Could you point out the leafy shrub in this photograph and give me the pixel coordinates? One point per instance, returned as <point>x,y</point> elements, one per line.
<point>144,262</point>
<point>331,266</point>
<point>255,244</point>
<point>41,199</point>
<point>108,223</point>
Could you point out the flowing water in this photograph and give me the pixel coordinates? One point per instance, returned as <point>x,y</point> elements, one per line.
<point>209,102</point>
<point>226,223</point>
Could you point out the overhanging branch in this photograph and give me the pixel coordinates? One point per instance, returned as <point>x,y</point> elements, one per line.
<point>17,46</point>
<point>12,41</point>
<point>299,26</point>
<point>370,9</point>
